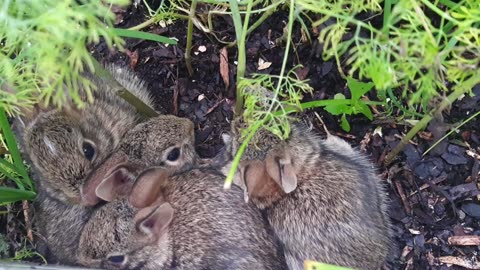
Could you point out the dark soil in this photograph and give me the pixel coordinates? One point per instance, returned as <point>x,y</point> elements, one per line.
<point>432,198</point>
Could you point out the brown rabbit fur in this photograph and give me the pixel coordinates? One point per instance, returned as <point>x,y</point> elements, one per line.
<point>109,227</point>
<point>210,226</point>
<point>195,224</point>
<point>147,141</point>
<point>64,146</point>
<point>322,198</point>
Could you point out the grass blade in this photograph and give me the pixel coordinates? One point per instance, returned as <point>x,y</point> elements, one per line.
<point>8,195</point>
<point>3,164</point>
<point>12,147</point>
<point>143,35</point>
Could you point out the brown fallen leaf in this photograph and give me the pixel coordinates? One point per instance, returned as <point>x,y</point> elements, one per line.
<point>133,58</point>
<point>224,70</point>
<point>262,64</point>
<point>302,72</point>
<point>464,262</point>
<point>464,240</point>
<point>401,192</point>
<point>28,222</point>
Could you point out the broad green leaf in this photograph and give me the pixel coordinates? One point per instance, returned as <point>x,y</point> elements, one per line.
<point>337,109</point>
<point>8,195</point>
<point>344,123</point>
<point>358,89</point>
<point>363,108</point>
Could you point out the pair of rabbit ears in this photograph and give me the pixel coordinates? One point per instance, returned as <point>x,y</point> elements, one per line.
<point>155,214</point>
<point>257,176</point>
<point>147,193</point>
<point>143,192</point>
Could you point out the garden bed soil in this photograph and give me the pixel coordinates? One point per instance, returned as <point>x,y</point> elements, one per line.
<point>434,199</point>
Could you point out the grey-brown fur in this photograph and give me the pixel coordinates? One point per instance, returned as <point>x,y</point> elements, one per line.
<point>212,228</point>
<point>106,231</point>
<point>336,214</point>
<point>52,139</point>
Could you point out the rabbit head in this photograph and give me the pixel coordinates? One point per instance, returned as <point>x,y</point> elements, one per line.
<point>166,141</point>
<point>149,244</point>
<point>66,144</point>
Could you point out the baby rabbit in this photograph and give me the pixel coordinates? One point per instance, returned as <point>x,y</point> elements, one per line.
<point>64,146</point>
<point>110,225</point>
<point>190,222</point>
<point>322,198</point>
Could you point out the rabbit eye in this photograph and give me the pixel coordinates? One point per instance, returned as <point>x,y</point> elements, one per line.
<point>118,259</point>
<point>174,154</point>
<point>88,150</point>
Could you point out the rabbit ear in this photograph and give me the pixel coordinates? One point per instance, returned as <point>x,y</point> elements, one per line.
<point>156,222</point>
<point>242,180</point>
<point>117,184</point>
<point>148,188</point>
<point>89,196</point>
<point>282,171</point>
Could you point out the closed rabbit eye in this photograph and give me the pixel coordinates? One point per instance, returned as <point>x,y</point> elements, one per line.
<point>88,150</point>
<point>174,154</point>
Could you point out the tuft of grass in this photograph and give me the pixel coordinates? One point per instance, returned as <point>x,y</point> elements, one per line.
<point>13,168</point>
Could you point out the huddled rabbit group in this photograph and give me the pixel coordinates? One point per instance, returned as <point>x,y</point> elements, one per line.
<point>119,192</point>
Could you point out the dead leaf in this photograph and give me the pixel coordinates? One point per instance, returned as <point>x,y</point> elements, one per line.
<point>302,73</point>
<point>262,64</point>
<point>133,58</point>
<point>464,262</point>
<point>464,240</point>
<point>224,70</point>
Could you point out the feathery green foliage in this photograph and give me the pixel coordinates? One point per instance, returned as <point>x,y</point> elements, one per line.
<point>409,51</point>
<point>43,48</point>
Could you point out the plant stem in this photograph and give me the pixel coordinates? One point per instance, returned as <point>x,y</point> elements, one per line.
<point>239,154</point>
<point>188,49</point>
<point>242,58</point>
<point>143,25</point>
<point>422,124</point>
<point>287,49</point>
<point>386,15</point>
<point>450,132</point>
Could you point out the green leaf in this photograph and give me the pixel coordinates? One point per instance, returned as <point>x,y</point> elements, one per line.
<point>344,123</point>
<point>5,164</point>
<point>12,147</point>
<point>358,89</point>
<point>143,35</point>
<point>363,108</point>
<point>9,195</point>
<point>312,265</point>
<point>337,109</point>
